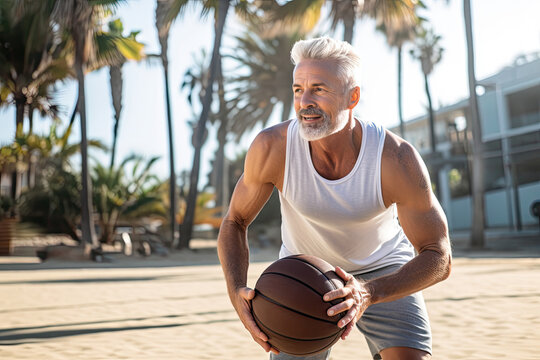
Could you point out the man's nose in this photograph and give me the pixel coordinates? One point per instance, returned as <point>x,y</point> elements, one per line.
<point>306,101</point>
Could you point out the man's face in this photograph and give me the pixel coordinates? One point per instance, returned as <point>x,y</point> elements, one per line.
<point>320,99</point>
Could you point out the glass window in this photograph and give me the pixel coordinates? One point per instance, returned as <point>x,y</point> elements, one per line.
<point>524,107</point>
<point>526,167</point>
<point>524,140</point>
<point>458,180</point>
<point>494,145</point>
<point>494,173</point>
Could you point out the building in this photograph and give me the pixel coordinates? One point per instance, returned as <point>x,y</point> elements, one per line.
<point>509,107</point>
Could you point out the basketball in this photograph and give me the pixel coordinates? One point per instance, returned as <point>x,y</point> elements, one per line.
<point>289,308</point>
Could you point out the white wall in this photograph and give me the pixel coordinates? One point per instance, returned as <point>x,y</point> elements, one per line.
<point>527,194</point>
<point>496,206</point>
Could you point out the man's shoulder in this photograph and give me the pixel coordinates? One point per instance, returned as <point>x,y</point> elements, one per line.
<point>402,168</point>
<point>398,151</point>
<point>265,161</point>
<point>272,138</point>
<point>276,132</point>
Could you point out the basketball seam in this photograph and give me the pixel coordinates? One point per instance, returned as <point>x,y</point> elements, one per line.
<point>293,310</point>
<point>319,270</point>
<point>341,315</point>
<point>292,278</point>
<point>293,338</point>
<point>336,337</point>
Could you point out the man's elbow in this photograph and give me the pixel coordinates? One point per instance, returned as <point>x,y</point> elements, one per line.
<point>446,260</point>
<point>442,255</point>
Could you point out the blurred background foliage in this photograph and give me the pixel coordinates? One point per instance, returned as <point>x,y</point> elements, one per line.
<point>45,43</point>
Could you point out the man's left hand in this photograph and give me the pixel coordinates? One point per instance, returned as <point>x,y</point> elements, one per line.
<point>356,300</point>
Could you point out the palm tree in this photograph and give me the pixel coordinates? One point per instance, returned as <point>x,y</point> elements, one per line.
<point>32,57</point>
<point>117,196</point>
<point>294,15</point>
<point>77,18</point>
<point>397,37</point>
<point>346,12</point>
<point>428,51</point>
<point>252,97</point>
<point>135,49</point>
<point>303,15</point>
<point>220,9</point>
<point>163,25</point>
<point>219,25</point>
<point>55,200</point>
<point>268,81</point>
<point>221,166</point>
<point>478,223</point>
<point>44,104</point>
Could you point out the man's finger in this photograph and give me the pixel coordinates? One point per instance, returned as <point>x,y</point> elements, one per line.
<point>252,327</point>
<point>246,293</point>
<point>336,294</point>
<point>346,332</point>
<point>341,307</point>
<point>348,318</point>
<point>265,345</point>
<point>343,274</point>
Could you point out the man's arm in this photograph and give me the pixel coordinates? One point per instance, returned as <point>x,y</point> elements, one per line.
<point>405,182</point>
<point>261,172</point>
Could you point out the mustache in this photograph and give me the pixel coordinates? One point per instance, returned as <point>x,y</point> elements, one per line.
<point>311,111</point>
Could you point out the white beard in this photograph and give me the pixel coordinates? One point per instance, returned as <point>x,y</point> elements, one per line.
<point>322,130</point>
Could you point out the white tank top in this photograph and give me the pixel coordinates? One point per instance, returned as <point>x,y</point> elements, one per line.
<point>343,221</point>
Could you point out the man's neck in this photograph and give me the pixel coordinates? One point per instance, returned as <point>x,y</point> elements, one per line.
<point>335,155</point>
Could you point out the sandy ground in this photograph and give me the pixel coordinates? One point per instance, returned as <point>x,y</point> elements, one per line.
<point>177,308</point>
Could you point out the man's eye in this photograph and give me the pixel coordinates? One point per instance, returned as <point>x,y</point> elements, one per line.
<point>297,90</point>
<point>318,89</point>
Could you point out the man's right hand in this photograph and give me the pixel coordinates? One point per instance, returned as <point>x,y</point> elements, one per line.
<point>243,298</point>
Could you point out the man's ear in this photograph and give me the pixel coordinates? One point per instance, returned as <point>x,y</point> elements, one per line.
<point>354,97</point>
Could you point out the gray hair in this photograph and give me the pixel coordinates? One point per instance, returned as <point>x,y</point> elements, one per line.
<point>326,48</point>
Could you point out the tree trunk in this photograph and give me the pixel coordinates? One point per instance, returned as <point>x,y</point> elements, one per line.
<point>287,105</point>
<point>115,140</point>
<point>87,209</point>
<point>116,92</point>
<point>108,224</point>
<point>30,120</point>
<point>19,116</point>
<point>75,111</point>
<point>172,173</point>
<point>219,169</point>
<point>31,172</point>
<point>187,225</point>
<point>14,184</point>
<point>478,223</point>
<point>433,163</point>
<point>163,26</point>
<point>348,28</point>
<point>431,116</point>
<point>400,100</point>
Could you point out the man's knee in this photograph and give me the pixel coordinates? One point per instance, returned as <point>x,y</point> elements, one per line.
<point>404,353</point>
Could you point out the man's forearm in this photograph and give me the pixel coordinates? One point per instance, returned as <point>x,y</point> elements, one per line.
<point>429,267</point>
<point>233,253</point>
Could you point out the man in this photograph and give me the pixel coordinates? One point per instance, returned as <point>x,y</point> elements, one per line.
<point>343,183</point>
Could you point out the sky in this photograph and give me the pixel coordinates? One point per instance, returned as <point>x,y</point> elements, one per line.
<point>502,31</point>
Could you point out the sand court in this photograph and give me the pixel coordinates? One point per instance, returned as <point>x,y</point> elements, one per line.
<point>154,309</point>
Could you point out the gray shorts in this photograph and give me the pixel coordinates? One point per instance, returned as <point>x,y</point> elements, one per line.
<point>402,322</point>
